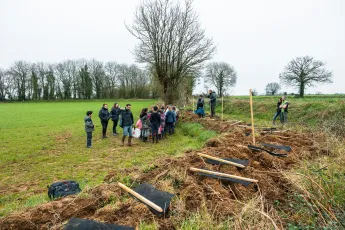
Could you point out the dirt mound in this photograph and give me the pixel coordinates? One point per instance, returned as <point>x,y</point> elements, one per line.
<point>193,192</point>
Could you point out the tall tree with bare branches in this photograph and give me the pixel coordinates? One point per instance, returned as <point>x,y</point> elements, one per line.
<point>305,71</point>
<point>272,88</point>
<point>220,75</point>
<point>171,40</point>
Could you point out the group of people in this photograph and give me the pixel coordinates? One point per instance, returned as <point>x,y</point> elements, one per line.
<point>200,111</point>
<point>155,123</point>
<point>282,110</point>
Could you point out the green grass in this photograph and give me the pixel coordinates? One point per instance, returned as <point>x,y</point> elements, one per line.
<point>44,142</point>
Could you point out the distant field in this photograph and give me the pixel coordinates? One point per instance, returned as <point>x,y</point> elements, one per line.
<point>42,142</point>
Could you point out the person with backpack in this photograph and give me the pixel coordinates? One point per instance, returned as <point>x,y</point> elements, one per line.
<point>155,120</point>
<point>145,125</point>
<point>89,128</point>
<point>170,119</point>
<point>115,115</point>
<point>213,101</point>
<point>277,114</point>
<point>127,122</point>
<point>104,115</point>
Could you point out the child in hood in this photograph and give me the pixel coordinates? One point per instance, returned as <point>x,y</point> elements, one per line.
<point>89,128</point>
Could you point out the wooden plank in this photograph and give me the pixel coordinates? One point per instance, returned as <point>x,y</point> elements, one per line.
<point>222,174</point>
<point>221,160</point>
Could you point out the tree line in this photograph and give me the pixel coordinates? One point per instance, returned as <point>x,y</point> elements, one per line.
<point>75,79</point>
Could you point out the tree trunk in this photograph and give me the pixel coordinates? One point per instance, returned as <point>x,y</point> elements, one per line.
<point>301,89</point>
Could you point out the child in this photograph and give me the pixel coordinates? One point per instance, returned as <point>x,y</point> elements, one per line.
<point>89,128</point>
<point>155,120</point>
<point>170,120</point>
<point>163,129</point>
<point>145,121</point>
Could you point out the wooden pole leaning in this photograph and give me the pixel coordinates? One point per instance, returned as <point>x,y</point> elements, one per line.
<point>252,115</point>
<point>222,174</point>
<point>221,160</point>
<point>140,197</point>
<point>222,108</point>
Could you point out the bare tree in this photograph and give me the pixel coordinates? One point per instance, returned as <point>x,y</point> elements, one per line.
<point>220,75</point>
<point>20,73</point>
<point>3,84</point>
<point>112,71</point>
<point>305,71</point>
<point>255,92</point>
<point>272,88</point>
<point>171,40</point>
<point>97,75</point>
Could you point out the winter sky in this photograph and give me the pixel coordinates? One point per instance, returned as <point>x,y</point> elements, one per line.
<point>257,37</point>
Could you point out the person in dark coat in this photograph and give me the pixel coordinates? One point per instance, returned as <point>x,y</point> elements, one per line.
<point>115,115</point>
<point>127,122</point>
<point>155,120</point>
<point>200,107</point>
<point>213,101</point>
<point>277,114</point>
<point>170,118</point>
<point>89,128</point>
<point>104,115</point>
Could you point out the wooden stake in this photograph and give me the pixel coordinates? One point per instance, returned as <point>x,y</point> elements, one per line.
<point>222,174</point>
<point>252,115</point>
<point>222,107</point>
<point>140,197</point>
<point>221,160</point>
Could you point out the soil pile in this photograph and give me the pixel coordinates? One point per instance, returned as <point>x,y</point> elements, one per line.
<point>108,203</point>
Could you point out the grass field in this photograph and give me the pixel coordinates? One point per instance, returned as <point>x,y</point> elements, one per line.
<point>45,142</point>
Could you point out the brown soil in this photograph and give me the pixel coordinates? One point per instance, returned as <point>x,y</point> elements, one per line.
<point>193,192</point>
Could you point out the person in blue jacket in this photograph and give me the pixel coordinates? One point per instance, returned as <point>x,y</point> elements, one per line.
<point>170,119</point>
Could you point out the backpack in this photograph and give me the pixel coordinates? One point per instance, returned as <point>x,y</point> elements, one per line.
<point>63,188</point>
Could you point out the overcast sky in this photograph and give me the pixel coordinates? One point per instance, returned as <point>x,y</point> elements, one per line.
<point>257,37</point>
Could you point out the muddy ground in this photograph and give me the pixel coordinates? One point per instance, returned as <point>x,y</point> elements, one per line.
<point>222,199</point>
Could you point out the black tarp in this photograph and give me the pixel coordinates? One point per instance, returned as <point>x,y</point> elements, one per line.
<point>160,198</point>
<point>245,183</point>
<point>256,148</point>
<point>84,224</point>
<point>281,147</point>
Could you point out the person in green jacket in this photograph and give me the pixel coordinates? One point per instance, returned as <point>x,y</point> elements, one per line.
<point>89,128</point>
<point>284,110</point>
<point>213,101</point>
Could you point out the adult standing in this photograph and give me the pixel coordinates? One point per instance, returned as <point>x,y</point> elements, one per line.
<point>284,110</point>
<point>170,118</point>
<point>127,124</point>
<point>278,110</point>
<point>155,120</point>
<point>213,101</point>
<point>115,115</point>
<point>104,115</point>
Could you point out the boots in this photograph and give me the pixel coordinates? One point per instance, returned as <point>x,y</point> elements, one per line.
<point>123,140</point>
<point>153,139</point>
<point>130,141</point>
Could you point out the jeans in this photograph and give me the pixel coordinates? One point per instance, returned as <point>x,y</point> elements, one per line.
<point>154,129</point>
<point>88,139</point>
<point>104,127</point>
<point>127,131</point>
<point>284,117</point>
<point>114,126</point>
<point>170,126</point>
<point>276,116</point>
<point>213,110</point>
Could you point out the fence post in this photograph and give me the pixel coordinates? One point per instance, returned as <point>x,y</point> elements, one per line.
<point>252,115</point>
